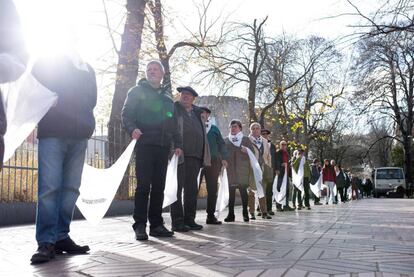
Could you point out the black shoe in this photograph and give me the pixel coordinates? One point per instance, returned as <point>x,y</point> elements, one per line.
<point>279,209</point>
<point>266,216</point>
<point>245,218</point>
<point>182,228</point>
<point>259,214</point>
<point>141,233</point>
<point>160,231</point>
<point>308,207</point>
<point>300,208</point>
<point>318,204</point>
<point>194,226</point>
<point>229,218</point>
<point>44,253</point>
<point>271,213</point>
<point>287,209</point>
<point>252,217</point>
<point>69,246</point>
<point>213,220</point>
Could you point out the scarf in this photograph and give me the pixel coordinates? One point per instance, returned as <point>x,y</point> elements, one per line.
<point>257,141</point>
<point>236,139</point>
<point>208,126</point>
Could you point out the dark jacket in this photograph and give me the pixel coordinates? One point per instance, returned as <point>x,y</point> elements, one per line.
<point>315,173</point>
<point>152,111</point>
<point>273,154</point>
<point>238,169</point>
<point>279,162</point>
<point>217,145</point>
<point>340,180</point>
<point>72,116</point>
<point>180,110</point>
<point>11,42</point>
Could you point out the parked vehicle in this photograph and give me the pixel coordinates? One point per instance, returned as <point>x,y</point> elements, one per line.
<point>389,181</point>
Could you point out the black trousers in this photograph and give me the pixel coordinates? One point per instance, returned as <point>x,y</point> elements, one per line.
<point>151,168</point>
<point>187,180</point>
<point>298,193</point>
<point>232,198</point>
<point>211,174</point>
<point>269,196</point>
<point>342,192</point>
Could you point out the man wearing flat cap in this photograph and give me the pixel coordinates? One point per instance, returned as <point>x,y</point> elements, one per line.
<point>219,155</point>
<point>196,154</point>
<point>270,175</point>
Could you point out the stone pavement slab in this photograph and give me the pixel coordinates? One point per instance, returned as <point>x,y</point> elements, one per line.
<point>370,237</point>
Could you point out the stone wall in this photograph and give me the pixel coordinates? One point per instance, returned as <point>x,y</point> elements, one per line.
<point>224,109</point>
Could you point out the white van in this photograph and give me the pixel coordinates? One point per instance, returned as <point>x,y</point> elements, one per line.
<point>388,179</point>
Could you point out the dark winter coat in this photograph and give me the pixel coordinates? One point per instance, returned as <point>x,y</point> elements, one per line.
<point>72,116</point>
<point>203,144</point>
<point>315,173</point>
<point>152,111</point>
<point>11,43</point>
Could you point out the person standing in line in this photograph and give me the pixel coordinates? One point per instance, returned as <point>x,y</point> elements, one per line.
<point>328,179</point>
<point>148,116</point>
<point>340,182</point>
<point>333,164</point>
<point>196,154</point>
<point>315,174</point>
<point>347,184</point>
<point>13,57</point>
<point>63,135</point>
<point>306,179</point>
<point>282,167</point>
<point>270,175</point>
<point>219,156</point>
<point>239,171</point>
<point>262,154</point>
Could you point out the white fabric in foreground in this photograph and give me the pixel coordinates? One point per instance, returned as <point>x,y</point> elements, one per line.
<point>257,172</point>
<point>98,186</point>
<point>280,196</point>
<point>223,193</point>
<point>297,177</point>
<point>171,182</point>
<point>316,188</point>
<point>26,102</point>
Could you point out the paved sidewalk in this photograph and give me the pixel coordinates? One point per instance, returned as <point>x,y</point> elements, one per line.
<point>373,237</point>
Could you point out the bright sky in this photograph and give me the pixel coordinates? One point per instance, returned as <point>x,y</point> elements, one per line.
<point>50,24</point>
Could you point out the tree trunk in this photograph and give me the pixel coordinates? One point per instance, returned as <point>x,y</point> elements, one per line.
<point>408,161</point>
<point>252,101</point>
<point>126,77</point>
<point>156,10</point>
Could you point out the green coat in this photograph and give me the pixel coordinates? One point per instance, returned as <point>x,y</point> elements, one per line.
<point>306,173</point>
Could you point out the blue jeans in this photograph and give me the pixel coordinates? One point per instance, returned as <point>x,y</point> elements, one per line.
<point>60,169</point>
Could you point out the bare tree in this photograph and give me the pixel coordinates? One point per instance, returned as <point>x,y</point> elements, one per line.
<point>384,73</point>
<point>239,60</point>
<point>197,42</point>
<point>392,16</point>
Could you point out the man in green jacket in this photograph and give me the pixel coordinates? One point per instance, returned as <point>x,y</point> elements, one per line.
<point>306,178</point>
<point>148,116</point>
<point>219,155</point>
